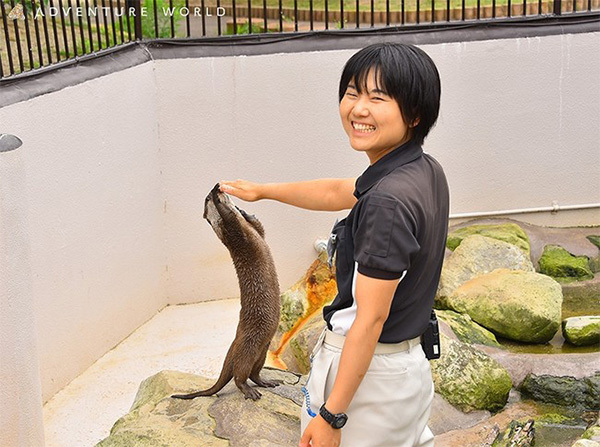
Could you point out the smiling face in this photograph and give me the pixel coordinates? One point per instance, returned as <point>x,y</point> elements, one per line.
<point>372,119</point>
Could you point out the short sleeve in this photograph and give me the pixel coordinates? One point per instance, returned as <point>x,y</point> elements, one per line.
<point>384,237</point>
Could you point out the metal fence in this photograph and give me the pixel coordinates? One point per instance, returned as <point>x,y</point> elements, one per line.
<point>42,33</point>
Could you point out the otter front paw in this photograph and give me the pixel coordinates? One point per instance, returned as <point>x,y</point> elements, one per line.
<point>269,383</point>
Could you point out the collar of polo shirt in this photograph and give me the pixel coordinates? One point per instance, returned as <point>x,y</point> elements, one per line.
<point>402,155</point>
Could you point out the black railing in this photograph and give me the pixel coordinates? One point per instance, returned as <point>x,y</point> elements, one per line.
<point>42,33</point>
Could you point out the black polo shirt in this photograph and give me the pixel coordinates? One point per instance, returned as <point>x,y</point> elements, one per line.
<point>397,229</point>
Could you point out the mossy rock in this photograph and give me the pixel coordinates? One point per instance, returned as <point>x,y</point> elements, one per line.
<point>293,306</point>
<point>475,256</point>
<point>521,306</point>
<point>582,331</point>
<point>563,266</point>
<point>296,354</point>
<point>592,433</point>
<point>468,378</point>
<point>466,329</point>
<point>148,424</point>
<point>226,419</point>
<point>507,232</point>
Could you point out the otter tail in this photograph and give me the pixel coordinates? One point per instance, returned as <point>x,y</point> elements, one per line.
<point>224,378</point>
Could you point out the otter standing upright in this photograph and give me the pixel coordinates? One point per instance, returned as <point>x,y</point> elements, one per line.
<point>243,235</point>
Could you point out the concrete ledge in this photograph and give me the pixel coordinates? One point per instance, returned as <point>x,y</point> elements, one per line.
<point>68,73</point>
<point>358,38</point>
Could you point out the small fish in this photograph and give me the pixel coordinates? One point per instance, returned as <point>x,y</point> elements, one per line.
<point>17,12</point>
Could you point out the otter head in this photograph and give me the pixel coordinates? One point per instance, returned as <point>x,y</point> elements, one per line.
<point>220,211</point>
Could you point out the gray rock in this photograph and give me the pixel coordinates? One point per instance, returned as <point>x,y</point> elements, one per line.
<point>272,420</point>
<point>477,255</point>
<point>566,391</point>
<point>582,331</point>
<point>522,306</point>
<point>594,239</point>
<point>445,417</point>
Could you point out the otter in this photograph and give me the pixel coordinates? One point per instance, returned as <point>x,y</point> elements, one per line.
<point>244,237</point>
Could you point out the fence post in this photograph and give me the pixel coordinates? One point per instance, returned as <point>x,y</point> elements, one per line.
<point>137,17</point>
<point>557,7</point>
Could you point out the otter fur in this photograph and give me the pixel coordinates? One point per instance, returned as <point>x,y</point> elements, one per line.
<point>244,237</point>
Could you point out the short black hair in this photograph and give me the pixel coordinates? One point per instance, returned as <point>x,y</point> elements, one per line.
<point>407,74</point>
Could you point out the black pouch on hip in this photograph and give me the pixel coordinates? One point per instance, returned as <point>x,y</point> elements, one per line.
<point>430,340</point>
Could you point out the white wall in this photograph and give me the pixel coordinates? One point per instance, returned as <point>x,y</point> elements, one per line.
<point>21,422</point>
<point>520,124</point>
<point>93,186</point>
<point>518,128</point>
<point>117,169</point>
<point>249,117</point>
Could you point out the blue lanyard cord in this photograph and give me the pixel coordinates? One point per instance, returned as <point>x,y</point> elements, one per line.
<point>311,413</point>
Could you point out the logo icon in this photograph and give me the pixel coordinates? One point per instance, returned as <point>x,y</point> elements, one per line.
<point>16,12</point>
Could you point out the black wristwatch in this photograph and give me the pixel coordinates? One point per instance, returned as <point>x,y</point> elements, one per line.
<point>335,420</point>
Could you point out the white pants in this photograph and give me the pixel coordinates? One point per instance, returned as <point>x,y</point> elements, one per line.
<point>392,404</point>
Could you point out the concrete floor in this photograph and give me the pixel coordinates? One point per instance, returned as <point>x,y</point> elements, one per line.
<point>192,338</point>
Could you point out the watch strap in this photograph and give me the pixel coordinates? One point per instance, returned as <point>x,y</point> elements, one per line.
<point>337,421</point>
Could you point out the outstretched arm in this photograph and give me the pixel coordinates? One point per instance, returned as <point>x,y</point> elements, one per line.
<point>332,194</point>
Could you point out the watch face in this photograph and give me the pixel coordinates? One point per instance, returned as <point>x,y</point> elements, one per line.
<point>340,421</point>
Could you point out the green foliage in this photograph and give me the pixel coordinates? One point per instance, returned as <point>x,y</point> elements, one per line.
<point>243,28</point>
<point>164,11</point>
<point>338,24</point>
<point>163,15</point>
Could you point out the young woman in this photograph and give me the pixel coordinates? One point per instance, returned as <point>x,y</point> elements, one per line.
<point>370,383</point>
